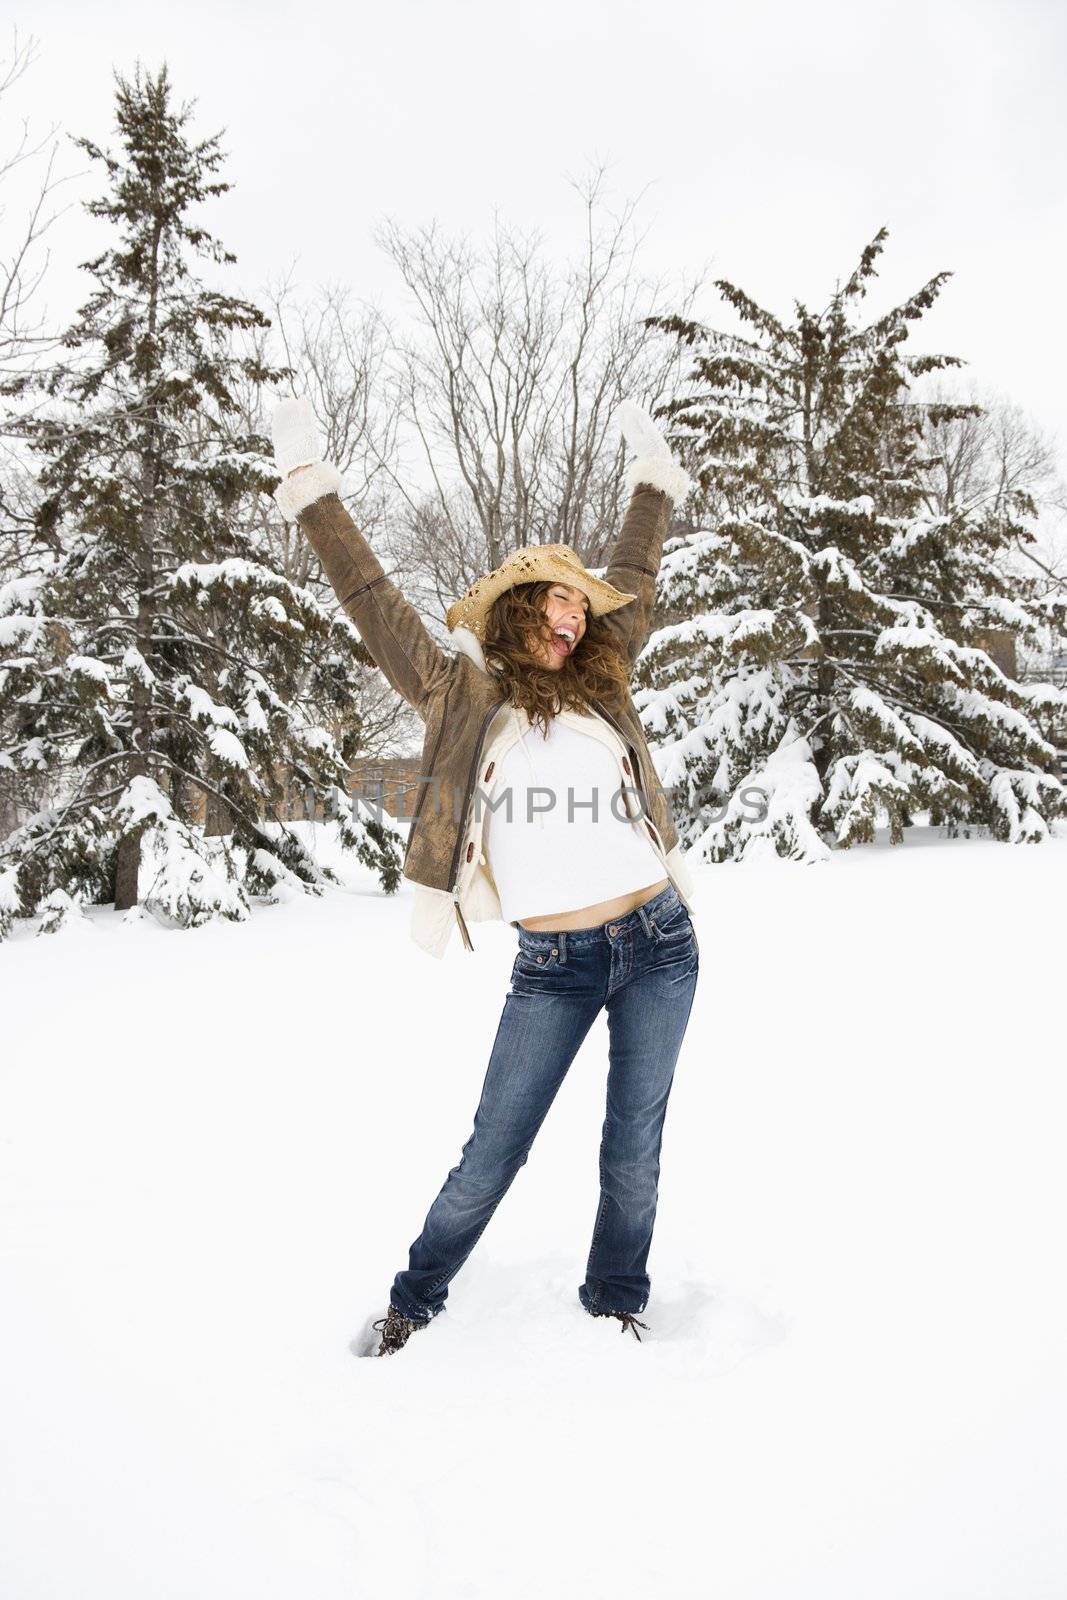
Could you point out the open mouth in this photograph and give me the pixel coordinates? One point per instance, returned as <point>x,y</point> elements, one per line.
<point>562,641</point>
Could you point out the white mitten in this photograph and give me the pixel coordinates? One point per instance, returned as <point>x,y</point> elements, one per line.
<point>297,444</point>
<point>654,464</point>
<point>639,431</point>
<point>296,435</point>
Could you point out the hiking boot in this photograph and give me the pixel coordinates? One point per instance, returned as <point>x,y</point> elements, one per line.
<point>396,1330</point>
<point>627,1319</point>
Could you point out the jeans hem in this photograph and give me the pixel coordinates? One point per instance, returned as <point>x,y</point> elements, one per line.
<point>590,1301</point>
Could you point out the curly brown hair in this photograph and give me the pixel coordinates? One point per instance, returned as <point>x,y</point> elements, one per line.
<point>596,670</point>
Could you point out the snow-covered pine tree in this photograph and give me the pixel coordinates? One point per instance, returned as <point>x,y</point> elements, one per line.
<point>150,665</point>
<point>820,670</point>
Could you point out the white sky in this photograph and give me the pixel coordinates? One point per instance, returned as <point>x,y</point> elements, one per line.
<point>774,140</point>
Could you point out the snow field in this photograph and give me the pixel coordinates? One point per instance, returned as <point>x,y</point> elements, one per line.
<point>216,1147</point>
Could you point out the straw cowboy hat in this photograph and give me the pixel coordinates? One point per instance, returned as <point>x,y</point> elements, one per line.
<point>558,563</point>
<point>550,563</point>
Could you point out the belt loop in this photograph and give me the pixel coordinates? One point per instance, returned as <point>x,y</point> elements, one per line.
<point>645,921</point>
<point>561,945</point>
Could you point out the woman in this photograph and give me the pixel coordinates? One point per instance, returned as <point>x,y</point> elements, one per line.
<point>540,804</point>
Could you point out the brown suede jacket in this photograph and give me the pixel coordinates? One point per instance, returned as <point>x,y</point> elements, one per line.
<point>454,696</point>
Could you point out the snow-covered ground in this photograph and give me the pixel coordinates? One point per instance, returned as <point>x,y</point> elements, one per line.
<point>216,1147</point>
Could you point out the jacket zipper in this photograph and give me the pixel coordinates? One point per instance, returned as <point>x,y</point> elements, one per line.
<point>462,923</point>
<point>462,827</point>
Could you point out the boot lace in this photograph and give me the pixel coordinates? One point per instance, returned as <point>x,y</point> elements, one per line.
<point>628,1320</point>
<point>395,1330</point>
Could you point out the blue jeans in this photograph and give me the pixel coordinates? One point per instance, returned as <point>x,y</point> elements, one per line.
<point>643,970</point>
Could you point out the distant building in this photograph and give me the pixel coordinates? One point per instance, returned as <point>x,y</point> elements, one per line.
<point>387,782</point>
<point>999,644</point>
<point>390,781</point>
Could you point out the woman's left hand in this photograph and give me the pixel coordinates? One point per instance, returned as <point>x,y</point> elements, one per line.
<point>639,430</point>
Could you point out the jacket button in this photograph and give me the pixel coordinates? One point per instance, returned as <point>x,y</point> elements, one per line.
<point>470,851</point>
<point>625,766</point>
<point>489,771</point>
<point>539,960</point>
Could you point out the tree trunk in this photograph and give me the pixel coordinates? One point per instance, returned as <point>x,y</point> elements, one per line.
<point>128,858</point>
<point>127,869</point>
<point>128,855</point>
<point>217,819</point>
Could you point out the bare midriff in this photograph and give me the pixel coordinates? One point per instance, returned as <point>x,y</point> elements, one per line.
<point>593,916</point>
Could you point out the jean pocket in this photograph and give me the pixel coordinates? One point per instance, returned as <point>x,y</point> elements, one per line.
<point>534,962</point>
<point>672,925</point>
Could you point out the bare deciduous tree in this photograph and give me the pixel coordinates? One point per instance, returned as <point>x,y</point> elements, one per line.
<point>507,389</point>
<point>338,350</point>
<point>25,261</point>
<point>25,338</point>
<point>1001,463</point>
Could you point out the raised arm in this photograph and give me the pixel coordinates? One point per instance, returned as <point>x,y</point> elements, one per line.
<point>655,482</point>
<point>388,624</point>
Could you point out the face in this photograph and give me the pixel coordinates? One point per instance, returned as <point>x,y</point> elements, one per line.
<point>566,611</point>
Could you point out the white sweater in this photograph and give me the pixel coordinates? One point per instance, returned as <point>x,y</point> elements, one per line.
<point>556,830</point>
